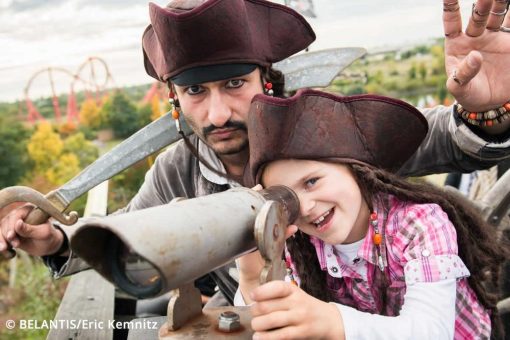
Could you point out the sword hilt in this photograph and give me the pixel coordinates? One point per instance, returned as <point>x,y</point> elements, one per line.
<point>46,207</point>
<point>37,216</point>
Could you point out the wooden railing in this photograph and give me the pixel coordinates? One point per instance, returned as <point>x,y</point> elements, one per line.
<point>89,298</point>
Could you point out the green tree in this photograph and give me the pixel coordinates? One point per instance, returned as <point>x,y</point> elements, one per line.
<point>14,162</point>
<point>121,114</point>
<point>144,114</point>
<point>442,92</point>
<point>422,70</point>
<point>65,168</point>
<point>412,71</point>
<point>85,150</point>
<point>438,66</point>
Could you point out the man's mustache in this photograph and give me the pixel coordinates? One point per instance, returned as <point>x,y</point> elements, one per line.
<point>229,124</point>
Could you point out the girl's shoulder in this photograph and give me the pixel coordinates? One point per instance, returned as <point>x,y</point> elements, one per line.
<point>412,211</point>
<point>409,222</point>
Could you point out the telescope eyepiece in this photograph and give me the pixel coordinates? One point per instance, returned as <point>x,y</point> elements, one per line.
<point>131,272</point>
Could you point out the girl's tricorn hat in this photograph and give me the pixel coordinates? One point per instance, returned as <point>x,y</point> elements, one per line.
<point>221,32</point>
<point>368,129</point>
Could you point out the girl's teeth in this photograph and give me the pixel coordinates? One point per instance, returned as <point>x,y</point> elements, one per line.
<point>320,219</point>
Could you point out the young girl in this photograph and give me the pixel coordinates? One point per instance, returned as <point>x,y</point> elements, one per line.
<point>376,256</point>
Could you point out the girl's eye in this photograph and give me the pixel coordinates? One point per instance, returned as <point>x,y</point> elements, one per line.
<point>311,182</point>
<point>235,83</point>
<point>194,89</point>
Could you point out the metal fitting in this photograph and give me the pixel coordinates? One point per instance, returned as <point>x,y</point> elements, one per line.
<point>229,321</point>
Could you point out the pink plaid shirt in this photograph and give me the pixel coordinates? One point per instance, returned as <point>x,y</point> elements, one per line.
<point>420,245</point>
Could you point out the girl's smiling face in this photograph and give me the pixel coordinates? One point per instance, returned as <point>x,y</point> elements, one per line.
<point>332,207</point>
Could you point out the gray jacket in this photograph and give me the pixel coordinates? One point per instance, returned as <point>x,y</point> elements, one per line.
<point>449,146</point>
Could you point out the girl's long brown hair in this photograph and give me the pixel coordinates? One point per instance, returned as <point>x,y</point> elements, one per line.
<point>479,245</point>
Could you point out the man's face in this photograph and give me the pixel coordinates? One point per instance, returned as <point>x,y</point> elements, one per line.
<point>217,111</point>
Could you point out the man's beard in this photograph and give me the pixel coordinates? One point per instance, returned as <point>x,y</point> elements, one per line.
<point>230,124</point>
<point>232,151</point>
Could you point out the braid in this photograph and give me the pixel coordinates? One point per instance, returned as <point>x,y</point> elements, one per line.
<point>476,239</point>
<point>304,256</point>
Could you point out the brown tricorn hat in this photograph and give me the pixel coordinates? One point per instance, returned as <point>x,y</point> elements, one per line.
<point>222,32</point>
<point>369,129</point>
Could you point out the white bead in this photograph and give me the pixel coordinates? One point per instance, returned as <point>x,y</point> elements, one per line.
<point>491,114</point>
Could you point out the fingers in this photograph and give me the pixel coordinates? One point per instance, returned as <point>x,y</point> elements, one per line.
<point>12,237</point>
<point>479,17</point>
<point>272,290</point>
<point>7,226</point>
<point>466,70</point>
<point>281,333</point>
<point>39,232</point>
<point>271,320</point>
<point>497,15</point>
<point>506,22</point>
<point>291,230</point>
<point>452,20</point>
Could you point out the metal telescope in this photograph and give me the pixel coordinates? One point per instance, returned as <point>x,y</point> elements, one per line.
<point>152,251</point>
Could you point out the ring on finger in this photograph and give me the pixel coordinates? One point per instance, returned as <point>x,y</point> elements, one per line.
<point>500,14</point>
<point>475,11</point>
<point>453,34</point>
<point>451,6</point>
<point>455,78</point>
<point>504,29</point>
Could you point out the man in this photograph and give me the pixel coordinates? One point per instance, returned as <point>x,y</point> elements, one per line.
<point>216,55</point>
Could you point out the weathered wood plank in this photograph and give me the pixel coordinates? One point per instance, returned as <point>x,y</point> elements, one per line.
<point>87,308</point>
<point>89,299</point>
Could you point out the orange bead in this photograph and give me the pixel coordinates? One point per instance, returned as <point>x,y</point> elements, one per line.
<point>377,239</point>
<point>373,216</point>
<point>489,123</point>
<point>472,115</point>
<point>175,114</point>
<point>507,107</point>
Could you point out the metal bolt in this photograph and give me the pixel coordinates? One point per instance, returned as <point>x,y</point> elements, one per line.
<point>275,231</point>
<point>229,321</point>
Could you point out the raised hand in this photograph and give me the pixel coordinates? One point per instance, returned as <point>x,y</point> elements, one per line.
<point>478,59</point>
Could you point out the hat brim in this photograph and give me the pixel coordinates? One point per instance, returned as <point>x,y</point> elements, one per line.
<point>204,74</point>
<point>368,129</point>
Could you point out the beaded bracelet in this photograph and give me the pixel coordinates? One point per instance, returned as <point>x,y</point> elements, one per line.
<point>487,118</point>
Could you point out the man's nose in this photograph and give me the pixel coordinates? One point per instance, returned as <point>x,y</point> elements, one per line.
<point>219,110</point>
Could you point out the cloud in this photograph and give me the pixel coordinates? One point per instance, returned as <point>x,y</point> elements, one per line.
<point>41,33</point>
<point>15,6</point>
<point>29,5</point>
<point>109,3</point>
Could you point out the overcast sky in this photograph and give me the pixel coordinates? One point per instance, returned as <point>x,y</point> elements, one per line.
<point>36,34</point>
